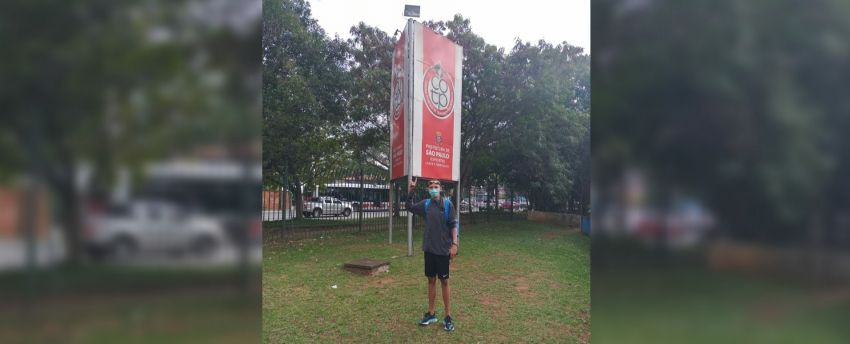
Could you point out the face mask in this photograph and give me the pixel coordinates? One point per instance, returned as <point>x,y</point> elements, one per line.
<point>434,192</point>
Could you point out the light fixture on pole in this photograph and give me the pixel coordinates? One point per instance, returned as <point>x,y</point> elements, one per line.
<point>411,11</point>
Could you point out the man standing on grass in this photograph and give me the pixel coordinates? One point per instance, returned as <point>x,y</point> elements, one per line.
<point>439,245</point>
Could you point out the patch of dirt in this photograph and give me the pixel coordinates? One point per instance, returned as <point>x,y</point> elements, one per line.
<point>554,235</point>
<point>553,286</point>
<point>378,283</point>
<point>488,301</point>
<point>462,264</point>
<point>769,312</point>
<point>468,321</point>
<point>831,298</point>
<point>360,247</point>
<point>521,286</point>
<point>500,254</point>
<point>581,333</point>
<point>398,325</point>
<point>296,289</point>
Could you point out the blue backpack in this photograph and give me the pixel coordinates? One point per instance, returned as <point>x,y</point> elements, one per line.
<point>445,211</point>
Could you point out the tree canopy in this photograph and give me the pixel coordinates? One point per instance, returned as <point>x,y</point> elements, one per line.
<point>738,103</point>
<point>525,113</point>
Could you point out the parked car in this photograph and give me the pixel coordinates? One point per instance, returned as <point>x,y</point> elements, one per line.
<point>507,206</point>
<point>482,205</point>
<point>464,205</point>
<point>145,226</point>
<point>326,205</point>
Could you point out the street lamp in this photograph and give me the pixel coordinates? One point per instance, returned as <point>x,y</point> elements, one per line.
<point>411,11</point>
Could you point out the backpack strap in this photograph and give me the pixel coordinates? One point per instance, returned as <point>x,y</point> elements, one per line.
<point>427,202</point>
<point>446,211</point>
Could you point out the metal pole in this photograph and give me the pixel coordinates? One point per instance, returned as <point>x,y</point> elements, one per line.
<point>489,199</point>
<point>244,212</point>
<point>392,203</point>
<point>458,198</point>
<point>471,197</point>
<point>409,224</point>
<point>30,206</point>
<point>286,186</point>
<point>409,115</point>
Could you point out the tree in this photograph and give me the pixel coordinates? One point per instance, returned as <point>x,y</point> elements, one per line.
<point>742,106</point>
<point>482,101</point>
<point>526,111</point>
<point>305,87</point>
<point>370,64</point>
<point>89,82</point>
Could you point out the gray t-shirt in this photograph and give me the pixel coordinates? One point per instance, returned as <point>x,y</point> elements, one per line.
<point>438,238</point>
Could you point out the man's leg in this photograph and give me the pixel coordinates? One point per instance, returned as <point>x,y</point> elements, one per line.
<point>432,293</point>
<point>446,293</point>
<point>431,274</point>
<point>443,271</point>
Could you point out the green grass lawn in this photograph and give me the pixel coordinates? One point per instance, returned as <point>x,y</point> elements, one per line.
<point>655,306</point>
<point>512,282</point>
<point>98,304</point>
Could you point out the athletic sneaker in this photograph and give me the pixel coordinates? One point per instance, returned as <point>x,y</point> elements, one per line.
<point>448,322</point>
<point>427,319</point>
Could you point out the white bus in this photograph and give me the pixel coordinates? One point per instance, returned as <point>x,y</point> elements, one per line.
<point>375,196</point>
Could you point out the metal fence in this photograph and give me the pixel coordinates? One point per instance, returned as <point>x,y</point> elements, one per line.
<point>354,199</point>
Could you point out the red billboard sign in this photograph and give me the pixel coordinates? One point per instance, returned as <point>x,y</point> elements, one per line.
<point>398,100</point>
<point>439,82</point>
<point>426,91</point>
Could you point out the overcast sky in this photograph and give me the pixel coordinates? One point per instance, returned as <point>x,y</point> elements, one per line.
<point>498,22</point>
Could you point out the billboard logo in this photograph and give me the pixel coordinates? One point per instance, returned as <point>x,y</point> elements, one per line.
<point>438,138</point>
<point>439,91</point>
<point>398,97</point>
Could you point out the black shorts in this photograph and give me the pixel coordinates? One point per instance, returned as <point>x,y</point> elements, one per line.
<point>436,266</point>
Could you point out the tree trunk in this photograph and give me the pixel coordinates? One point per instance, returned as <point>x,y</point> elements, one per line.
<point>586,198</point>
<point>69,205</point>
<point>581,205</point>
<point>299,199</point>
